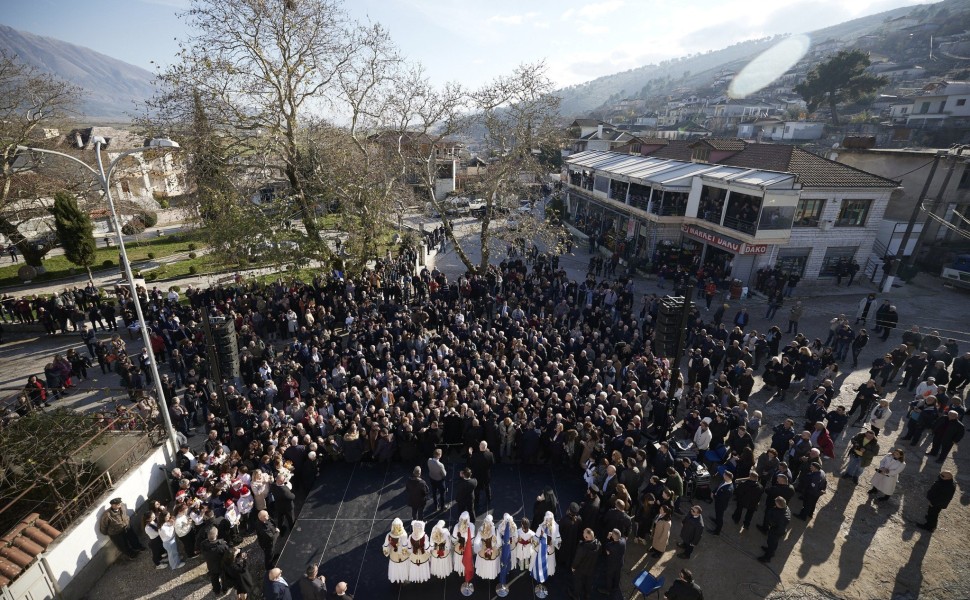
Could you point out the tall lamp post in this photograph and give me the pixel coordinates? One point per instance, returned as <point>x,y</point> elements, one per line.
<point>104,179</point>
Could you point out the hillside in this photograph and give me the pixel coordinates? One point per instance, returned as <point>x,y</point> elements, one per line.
<point>111,87</point>
<point>697,71</point>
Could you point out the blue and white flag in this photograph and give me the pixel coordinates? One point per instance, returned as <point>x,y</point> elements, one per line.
<point>506,563</point>
<point>539,572</point>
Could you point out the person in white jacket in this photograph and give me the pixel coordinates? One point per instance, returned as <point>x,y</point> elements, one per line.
<point>879,415</point>
<point>703,436</point>
<point>549,529</point>
<point>166,531</point>
<point>887,475</point>
<point>523,551</point>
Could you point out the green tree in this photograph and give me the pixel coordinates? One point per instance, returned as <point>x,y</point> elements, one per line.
<point>840,79</point>
<point>74,230</point>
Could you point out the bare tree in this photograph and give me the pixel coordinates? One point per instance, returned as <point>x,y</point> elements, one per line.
<point>515,117</point>
<point>29,101</point>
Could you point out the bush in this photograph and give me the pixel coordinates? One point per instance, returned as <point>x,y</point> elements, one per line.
<point>175,289</point>
<point>152,276</point>
<point>163,203</point>
<point>192,255</point>
<point>151,256</point>
<point>243,262</point>
<point>133,227</point>
<point>193,270</point>
<point>149,218</point>
<point>108,263</point>
<point>192,246</point>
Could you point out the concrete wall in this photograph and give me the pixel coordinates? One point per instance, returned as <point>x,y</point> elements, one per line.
<point>911,169</point>
<point>81,554</point>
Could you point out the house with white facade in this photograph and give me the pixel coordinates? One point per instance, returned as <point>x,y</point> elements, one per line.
<point>940,104</point>
<point>728,201</point>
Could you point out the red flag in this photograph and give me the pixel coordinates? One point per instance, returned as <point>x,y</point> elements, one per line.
<point>469,557</point>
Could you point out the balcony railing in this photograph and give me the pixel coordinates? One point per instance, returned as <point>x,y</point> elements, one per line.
<point>739,225</point>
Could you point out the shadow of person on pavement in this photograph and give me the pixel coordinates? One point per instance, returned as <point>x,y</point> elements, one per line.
<point>825,526</point>
<point>868,518</point>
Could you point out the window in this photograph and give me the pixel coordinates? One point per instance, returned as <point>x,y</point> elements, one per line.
<point>905,109</point>
<point>793,260</point>
<point>808,212</point>
<point>601,184</point>
<point>776,217</point>
<point>962,102</point>
<point>924,108</point>
<point>835,257</point>
<point>853,213</point>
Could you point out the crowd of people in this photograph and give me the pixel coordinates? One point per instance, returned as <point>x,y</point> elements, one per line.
<point>397,366</point>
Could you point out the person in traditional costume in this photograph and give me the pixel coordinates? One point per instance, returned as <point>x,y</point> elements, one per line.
<point>459,538</point>
<point>549,529</point>
<point>441,562</point>
<point>488,550</point>
<point>524,550</point>
<point>396,550</point>
<point>420,556</point>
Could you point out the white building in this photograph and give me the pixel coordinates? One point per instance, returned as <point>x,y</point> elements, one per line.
<point>752,205</point>
<point>939,104</point>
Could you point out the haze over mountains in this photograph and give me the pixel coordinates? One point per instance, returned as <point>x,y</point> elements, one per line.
<point>113,89</point>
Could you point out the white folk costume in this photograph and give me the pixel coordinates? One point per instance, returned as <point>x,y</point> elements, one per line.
<point>396,550</point>
<point>441,562</point>
<point>523,551</point>
<point>419,570</point>
<point>458,538</point>
<point>488,549</point>
<point>550,530</point>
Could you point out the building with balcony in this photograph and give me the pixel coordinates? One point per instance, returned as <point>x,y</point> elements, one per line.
<point>939,104</point>
<point>727,202</point>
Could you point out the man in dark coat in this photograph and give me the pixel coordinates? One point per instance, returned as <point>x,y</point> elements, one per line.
<point>617,519</point>
<point>722,499</point>
<point>939,495</point>
<point>614,551</point>
<point>780,488</point>
<point>570,532</point>
<point>692,528</point>
<point>465,493</point>
<point>284,499</point>
<point>481,463</point>
<point>747,495</point>
<point>417,492</point>
<point>266,535</point>
<point>811,486</point>
<point>312,586</point>
<point>684,588</point>
<point>947,431</point>
<point>590,511</point>
<point>214,551</point>
<point>584,564</point>
<point>275,587</point>
<point>778,518</point>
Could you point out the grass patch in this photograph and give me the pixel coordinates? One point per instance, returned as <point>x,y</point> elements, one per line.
<point>59,267</point>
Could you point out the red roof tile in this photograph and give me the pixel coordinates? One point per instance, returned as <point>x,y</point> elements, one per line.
<point>21,546</point>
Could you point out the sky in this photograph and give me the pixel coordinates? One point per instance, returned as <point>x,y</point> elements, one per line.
<point>475,41</point>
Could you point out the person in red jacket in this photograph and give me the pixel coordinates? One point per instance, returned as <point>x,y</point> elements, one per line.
<point>823,441</point>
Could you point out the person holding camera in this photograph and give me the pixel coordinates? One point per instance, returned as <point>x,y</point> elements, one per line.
<point>236,573</point>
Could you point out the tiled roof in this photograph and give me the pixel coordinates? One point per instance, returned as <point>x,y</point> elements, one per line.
<point>22,545</point>
<point>812,170</point>
<point>675,150</point>
<point>730,144</point>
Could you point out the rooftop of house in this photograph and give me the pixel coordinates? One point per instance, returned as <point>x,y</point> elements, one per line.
<point>23,545</point>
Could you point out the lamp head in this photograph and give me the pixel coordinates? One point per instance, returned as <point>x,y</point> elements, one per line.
<point>162,143</point>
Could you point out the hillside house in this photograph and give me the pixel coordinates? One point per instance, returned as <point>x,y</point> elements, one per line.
<point>943,103</point>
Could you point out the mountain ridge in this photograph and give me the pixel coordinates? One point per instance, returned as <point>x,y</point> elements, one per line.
<point>111,88</point>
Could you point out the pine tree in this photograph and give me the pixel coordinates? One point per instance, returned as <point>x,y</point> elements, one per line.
<point>842,78</point>
<point>74,230</point>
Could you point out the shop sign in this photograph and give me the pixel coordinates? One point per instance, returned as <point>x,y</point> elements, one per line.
<point>721,242</point>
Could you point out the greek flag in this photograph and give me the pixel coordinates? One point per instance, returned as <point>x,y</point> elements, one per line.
<point>506,563</point>
<point>539,572</point>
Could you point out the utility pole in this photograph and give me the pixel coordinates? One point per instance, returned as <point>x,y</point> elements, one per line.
<point>931,227</point>
<point>898,264</point>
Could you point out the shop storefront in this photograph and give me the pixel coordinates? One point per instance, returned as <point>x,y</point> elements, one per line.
<point>722,253</point>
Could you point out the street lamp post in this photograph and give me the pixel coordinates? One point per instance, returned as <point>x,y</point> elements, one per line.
<point>104,179</point>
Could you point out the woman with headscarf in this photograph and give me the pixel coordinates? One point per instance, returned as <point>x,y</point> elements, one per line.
<point>549,529</point>
<point>460,535</point>
<point>419,569</point>
<point>441,563</point>
<point>488,550</point>
<point>396,550</point>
